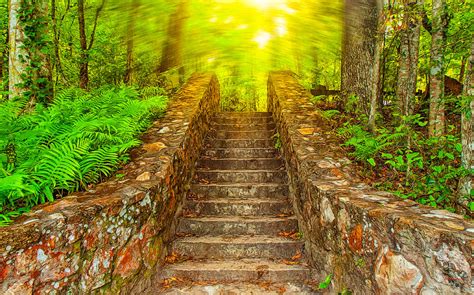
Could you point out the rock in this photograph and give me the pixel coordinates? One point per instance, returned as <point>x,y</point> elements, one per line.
<point>144,176</point>
<point>306,131</point>
<point>154,147</point>
<point>396,275</point>
<point>327,216</point>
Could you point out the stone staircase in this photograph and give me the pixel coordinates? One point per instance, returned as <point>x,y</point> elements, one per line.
<point>238,234</point>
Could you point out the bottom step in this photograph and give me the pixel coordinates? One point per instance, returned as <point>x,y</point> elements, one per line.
<point>245,270</point>
<point>240,289</point>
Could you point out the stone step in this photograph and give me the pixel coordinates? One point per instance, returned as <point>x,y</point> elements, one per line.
<point>241,176</point>
<point>247,134</point>
<point>239,207</point>
<point>242,120</point>
<point>240,153</point>
<point>240,143</point>
<point>243,190</point>
<point>240,247</point>
<point>243,127</point>
<point>243,288</point>
<point>243,114</point>
<point>246,270</point>
<point>237,225</point>
<point>241,164</point>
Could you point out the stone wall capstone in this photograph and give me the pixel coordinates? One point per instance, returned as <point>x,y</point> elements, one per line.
<point>372,242</point>
<point>113,238</point>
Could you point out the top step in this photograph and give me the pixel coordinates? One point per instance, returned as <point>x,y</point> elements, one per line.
<point>243,114</point>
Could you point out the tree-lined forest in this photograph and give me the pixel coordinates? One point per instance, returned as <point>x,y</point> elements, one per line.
<point>81,79</point>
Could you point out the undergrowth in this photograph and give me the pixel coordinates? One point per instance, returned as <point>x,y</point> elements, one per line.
<point>402,159</point>
<point>400,156</point>
<point>78,140</point>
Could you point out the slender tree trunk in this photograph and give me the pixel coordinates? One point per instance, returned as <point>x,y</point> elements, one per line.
<point>467,127</point>
<point>408,59</point>
<point>462,71</point>
<point>56,65</point>
<point>84,64</point>
<point>359,51</point>
<point>172,51</point>
<point>376,77</point>
<point>15,64</point>
<point>437,119</point>
<point>133,14</point>
<point>85,48</point>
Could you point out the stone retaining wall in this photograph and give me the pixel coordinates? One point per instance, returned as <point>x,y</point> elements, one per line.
<point>371,241</point>
<point>114,236</point>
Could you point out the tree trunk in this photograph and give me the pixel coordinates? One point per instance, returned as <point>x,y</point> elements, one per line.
<point>15,64</point>
<point>408,59</point>
<point>29,62</point>
<point>462,71</point>
<point>133,11</point>
<point>85,48</point>
<point>467,127</point>
<point>376,77</point>
<point>84,64</point>
<point>437,119</point>
<point>359,51</point>
<point>172,51</point>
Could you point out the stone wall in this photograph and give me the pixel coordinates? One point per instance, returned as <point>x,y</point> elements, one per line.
<point>371,241</point>
<point>114,236</point>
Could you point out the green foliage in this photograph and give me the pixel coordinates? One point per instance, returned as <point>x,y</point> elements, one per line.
<point>326,283</point>
<point>277,139</point>
<point>78,140</point>
<point>413,166</point>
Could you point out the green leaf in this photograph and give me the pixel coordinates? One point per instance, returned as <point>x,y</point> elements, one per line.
<point>387,156</point>
<point>326,283</point>
<point>371,162</point>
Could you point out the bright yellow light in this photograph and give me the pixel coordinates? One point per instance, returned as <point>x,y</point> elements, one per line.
<point>262,38</point>
<point>266,4</point>
<point>281,29</point>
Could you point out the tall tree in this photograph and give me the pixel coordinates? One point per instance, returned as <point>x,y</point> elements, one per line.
<point>361,53</point>
<point>408,58</point>
<point>133,14</point>
<point>29,60</point>
<point>376,66</point>
<point>173,48</point>
<point>16,38</point>
<point>85,47</point>
<point>467,127</point>
<point>437,71</point>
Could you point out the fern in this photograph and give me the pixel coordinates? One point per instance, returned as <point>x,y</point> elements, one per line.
<point>78,140</point>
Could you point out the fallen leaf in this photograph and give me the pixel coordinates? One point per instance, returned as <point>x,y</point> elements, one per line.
<point>297,256</point>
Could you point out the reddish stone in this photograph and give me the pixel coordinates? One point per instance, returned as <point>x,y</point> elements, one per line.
<point>4,271</point>
<point>355,238</point>
<point>128,259</point>
<point>396,275</point>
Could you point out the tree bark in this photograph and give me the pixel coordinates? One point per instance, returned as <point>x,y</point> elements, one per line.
<point>84,64</point>
<point>172,51</point>
<point>408,59</point>
<point>85,48</point>
<point>359,51</point>
<point>376,77</point>
<point>437,119</point>
<point>15,64</point>
<point>467,127</point>
<point>29,62</point>
<point>133,11</point>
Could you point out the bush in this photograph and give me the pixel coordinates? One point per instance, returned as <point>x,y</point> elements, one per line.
<point>402,159</point>
<point>76,141</point>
